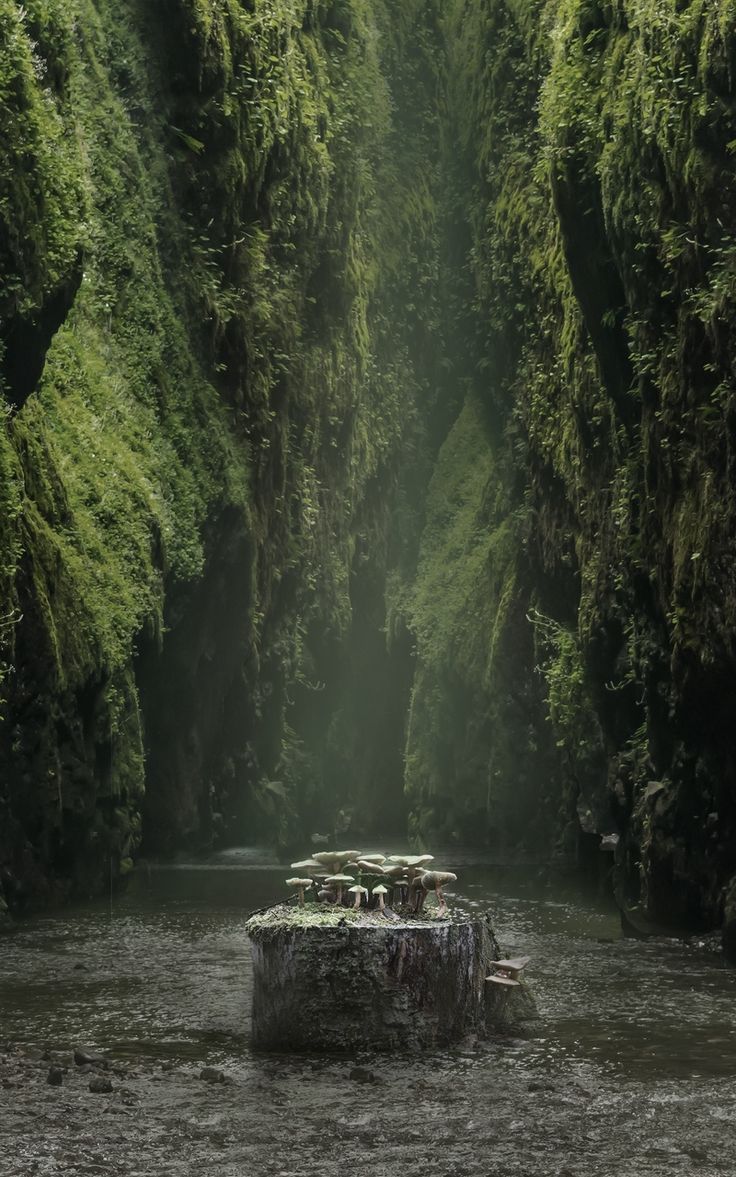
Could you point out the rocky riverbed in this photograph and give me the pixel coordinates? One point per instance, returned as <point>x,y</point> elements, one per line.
<point>631,1069</point>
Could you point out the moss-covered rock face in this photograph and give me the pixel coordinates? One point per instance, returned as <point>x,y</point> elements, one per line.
<point>262,264</point>
<point>597,145</point>
<point>216,326</point>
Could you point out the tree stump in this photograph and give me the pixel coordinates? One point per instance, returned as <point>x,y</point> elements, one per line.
<point>333,979</point>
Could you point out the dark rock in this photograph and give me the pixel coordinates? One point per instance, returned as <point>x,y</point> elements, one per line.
<point>55,1077</point>
<point>541,1085</point>
<point>80,968</point>
<point>362,1075</point>
<point>729,922</point>
<point>212,1075</point>
<point>167,1066</point>
<point>100,1085</point>
<point>6,921</point>
<point>83,1058</point>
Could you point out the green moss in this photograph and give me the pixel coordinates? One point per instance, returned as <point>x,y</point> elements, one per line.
<point>195,475</point>
<point>285,917</point>
<point>594,150</point>
<point>42,198</point>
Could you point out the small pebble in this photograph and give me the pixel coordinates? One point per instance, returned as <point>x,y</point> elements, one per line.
<point>100,1086</point>
<point>362,1075</point>
<point>55,1077</point>
<point>212,1075</point>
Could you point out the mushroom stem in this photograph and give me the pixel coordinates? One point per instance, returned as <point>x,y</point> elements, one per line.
<point>356,904</point>
<point>417,899</point>
<point>442,908</point>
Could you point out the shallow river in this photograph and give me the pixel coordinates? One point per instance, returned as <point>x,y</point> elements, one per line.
<point>631,1068</point>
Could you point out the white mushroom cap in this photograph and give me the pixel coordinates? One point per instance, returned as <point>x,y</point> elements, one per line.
<point>394,872</point>
<point>326,857</point>
<point>339,880</point>
<point>334,859</point>
<point>358,890</point>
<point>420,860</point>
<point>308,864</point>
<point>378,859</point>
<point>437,878</point>
<point>298,882</point>
<point>370,867</point>
<point>380,890</point>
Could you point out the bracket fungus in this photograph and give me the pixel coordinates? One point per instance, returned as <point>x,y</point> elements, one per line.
<point>508,972</point>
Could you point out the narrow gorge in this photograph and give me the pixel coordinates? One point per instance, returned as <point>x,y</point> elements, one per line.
<point>368,401</point>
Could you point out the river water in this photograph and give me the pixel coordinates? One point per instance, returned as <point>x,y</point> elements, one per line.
<point>630,1069</point>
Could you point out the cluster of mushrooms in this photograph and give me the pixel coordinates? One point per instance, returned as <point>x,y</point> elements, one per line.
<point>373,881</point>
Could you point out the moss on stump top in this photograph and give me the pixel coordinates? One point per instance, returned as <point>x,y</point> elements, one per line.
<point>285,917</point>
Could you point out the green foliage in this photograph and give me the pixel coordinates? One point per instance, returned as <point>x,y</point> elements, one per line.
<point>235,379</point>
<point>597,145</point>
<point>42,196</point>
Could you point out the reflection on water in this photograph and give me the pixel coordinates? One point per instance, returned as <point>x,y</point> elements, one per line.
<point>167,971</point>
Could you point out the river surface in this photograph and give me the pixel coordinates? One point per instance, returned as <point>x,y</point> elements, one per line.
<point>630,1069</point>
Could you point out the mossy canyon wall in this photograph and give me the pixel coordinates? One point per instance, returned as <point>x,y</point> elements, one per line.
<point>595,155</point>
<point>217,242</point>
<point>368,416</point>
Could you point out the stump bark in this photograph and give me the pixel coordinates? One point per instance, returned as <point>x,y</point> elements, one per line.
<point>367,982</point>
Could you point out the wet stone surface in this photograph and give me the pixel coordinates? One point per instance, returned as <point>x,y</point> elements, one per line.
<point>631,1070</point>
